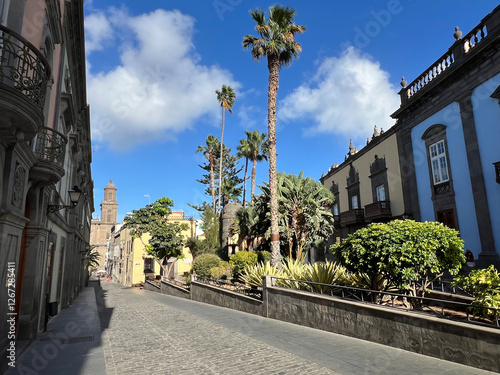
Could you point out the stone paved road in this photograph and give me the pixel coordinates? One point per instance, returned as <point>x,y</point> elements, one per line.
<point>149,333</point>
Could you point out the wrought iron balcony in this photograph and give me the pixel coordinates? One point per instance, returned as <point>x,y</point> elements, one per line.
<point>352,216</point>
<point>50,150</point>
<point>24,76</point>
<point>378,210</point>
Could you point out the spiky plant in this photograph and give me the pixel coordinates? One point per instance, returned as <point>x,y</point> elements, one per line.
<point>252,275</point>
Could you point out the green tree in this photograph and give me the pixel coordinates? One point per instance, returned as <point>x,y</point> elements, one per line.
<point>225,97</point>
<point>304,204</point>
<point>276,41</point>
<point>166,239</point>
<point>255,149</point>
<point>93,257</point>
<point>304,216</point>
<point>405,253</point>
<point>244,151</point>
<point>259,150</point>
<point>212,145</point>
<point>210,220</point>
<point>194,245</point>
<point>231,188</point>
<point>484,285</point>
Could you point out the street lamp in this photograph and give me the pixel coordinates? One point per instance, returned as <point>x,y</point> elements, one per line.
<point>74,197</point>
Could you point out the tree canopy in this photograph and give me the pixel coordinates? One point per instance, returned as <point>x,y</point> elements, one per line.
<point>408,254</point>
<point>276,41</point>
<point>166,239</point>
<point>304,216</point>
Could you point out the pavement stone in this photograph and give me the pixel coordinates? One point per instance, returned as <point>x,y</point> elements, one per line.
<point>140,332</point>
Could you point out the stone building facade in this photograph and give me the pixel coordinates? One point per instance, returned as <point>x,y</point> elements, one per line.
<point>367,185</point>
<point>441,160</point>
<point>448,140</point>
<point>101,229</point>
<point>45,154</point>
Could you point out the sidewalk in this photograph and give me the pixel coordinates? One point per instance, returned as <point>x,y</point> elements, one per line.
<point>71,345</point>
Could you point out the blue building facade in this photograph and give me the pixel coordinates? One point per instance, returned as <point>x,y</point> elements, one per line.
<point>448,128</point>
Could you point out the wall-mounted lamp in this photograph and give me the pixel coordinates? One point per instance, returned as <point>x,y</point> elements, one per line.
<point>497,171</point>
<point>74,197</point>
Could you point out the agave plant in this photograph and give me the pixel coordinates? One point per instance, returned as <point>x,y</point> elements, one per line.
<point>252,275</point>
<point>294,273</point>
<point>329,273</point>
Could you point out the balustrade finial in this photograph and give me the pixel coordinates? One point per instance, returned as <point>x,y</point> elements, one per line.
<point>403,82</point>
<point>457,34</point>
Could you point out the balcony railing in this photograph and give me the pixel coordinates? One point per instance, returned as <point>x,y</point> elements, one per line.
<point>352,216</point>
<point>461,48</point>
<point>23,67</point>
<point>50,145</point>
<point>378,210</point>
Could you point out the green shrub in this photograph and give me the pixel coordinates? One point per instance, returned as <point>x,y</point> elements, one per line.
<point>241,259</point>
<point>203,263</point>
<point>401,253</point>
<point>263,257</point>
<point>223,271</point>
<point>484,285</point>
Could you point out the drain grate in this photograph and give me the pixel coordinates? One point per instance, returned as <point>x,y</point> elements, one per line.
<point>69,340</point>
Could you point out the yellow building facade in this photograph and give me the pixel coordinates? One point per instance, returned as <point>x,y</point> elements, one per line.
<point>367,185</point>
<point>129,263</point>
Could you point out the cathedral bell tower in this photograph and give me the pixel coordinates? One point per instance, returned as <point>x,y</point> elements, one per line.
<point>109,205</point>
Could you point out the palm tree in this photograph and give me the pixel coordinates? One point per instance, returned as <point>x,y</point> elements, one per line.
<point>93,257</point>
<point>208,151</point>
<point>276,41</point>
<point>244,151</point>
<point>225,97</point>
<point>259,151</point>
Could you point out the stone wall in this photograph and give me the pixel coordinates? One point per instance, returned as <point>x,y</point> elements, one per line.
<point>151,287</point>
<point>225,298</point>
<point>174,290</point>
<point>468,344</point>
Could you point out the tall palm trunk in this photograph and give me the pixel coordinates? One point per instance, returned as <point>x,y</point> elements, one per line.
<point>254,173</point>
<point>221,175</point>
<point>273,66</point>
<point>212,178</point>
<point>245,183</point>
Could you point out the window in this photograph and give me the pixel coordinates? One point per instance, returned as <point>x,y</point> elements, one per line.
<point>335,209</point>
<point>149,265</point>
<point>439,164</point>
<point>447,217</point>
<point>380,189</point>
<point>354,202</point>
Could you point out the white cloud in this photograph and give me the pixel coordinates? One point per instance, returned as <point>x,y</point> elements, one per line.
<point>97,31</point>
<point>347,96</point>
<point>160,87</point>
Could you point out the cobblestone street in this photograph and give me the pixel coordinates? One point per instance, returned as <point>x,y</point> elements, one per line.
<point>148,333</point>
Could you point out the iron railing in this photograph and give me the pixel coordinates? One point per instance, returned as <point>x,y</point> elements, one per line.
<point>23,67</point>
<point>445,308</point>
<point>50,145</point>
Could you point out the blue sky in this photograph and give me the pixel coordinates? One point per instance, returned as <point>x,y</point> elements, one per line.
<point>153,67</point>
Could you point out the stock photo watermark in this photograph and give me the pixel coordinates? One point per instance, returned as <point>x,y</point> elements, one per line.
<point>11,313</point>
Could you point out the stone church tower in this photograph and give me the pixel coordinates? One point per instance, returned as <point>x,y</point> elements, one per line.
<point>100,230</point>
<point>109,205</point>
